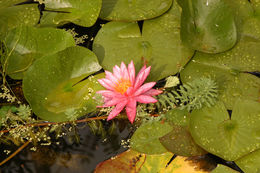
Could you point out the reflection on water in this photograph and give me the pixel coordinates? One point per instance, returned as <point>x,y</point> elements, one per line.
<point>68,157</point>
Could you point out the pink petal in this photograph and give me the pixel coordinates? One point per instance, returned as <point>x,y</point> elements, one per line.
<point>119,107</point>
<point>117,72</point>
<point>129,91</point>
<point>144,88</point>
<point>110,76</point>
<point>106,83</point>
<point>109,93</point>
<point>124,71</point>
<point>131,110</point>
<point>153,92</point>
<point>141,77</point>
<point>114,101</point>
<point>145,99</point>
<point>131,72</point>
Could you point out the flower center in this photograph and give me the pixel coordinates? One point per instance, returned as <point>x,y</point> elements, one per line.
<point>122,85</point>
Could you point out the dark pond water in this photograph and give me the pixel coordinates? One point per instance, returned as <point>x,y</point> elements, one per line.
<point>68,156</point>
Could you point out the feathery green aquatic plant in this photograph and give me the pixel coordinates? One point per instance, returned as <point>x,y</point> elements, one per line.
<point>192,95</point>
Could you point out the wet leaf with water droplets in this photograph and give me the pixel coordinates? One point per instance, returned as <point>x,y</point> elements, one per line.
<point>146,137</point>
<point>158,45</point>
<point>207,26</point>
<point>53,84</point>
<point>227,138</point>
<point>27,43</point>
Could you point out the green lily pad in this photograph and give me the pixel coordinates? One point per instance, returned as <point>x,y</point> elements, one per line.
<point>159,44</point>
<point>228,138</point>
<point>9,3</point>
<point>14,16</point>
<point>133,10</point>
<point>226,67</point>
<point>250,163</point>
<point>53,86</point>
<point>178,117</point>
<point>26,43</point>
<point>223,169</point>
<point>256,6</point>
<point>180,142</point>
<point>80,12</point>
<point>207,26</point>
<point>146,137</point>
<point>242,10</point>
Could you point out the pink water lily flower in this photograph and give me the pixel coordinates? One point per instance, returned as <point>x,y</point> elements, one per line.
<point>125,90</point>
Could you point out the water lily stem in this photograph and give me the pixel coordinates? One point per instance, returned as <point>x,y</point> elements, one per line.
<point>15,153</point>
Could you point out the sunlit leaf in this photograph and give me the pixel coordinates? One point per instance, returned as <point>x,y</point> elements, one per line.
<point>131,161</point>
<point>133,10</point>
<point>53,86</point>
<point>227,138</point>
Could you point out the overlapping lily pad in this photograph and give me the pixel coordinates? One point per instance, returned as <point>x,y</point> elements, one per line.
<point>80,12</point>
<point>133,10</point>
<point>14,16</point>
<point>227,68</point>
<point>228,138</point>
<point>26,43</point>
<point>53,85</point>
<point>146,137</point>
<point>242,10</point>
<point>250,163</point>
<point>207,26</point>
<point>178,117</point>
<point>159,44</point>
<point>180,142</point>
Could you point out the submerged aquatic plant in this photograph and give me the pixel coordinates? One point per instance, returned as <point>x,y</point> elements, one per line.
<point>123,89</point>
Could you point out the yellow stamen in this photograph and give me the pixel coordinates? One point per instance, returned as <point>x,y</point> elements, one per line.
<point>122,85</point>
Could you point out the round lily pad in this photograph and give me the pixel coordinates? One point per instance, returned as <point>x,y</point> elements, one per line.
<point>159,44</point>
<point>26,43</point>
<point>207,26</point>
<point>228,138</point>
<point>250,163</point>
<point>14,16</point>
<point>80,12</point>
<point>180,142</point>
<point>133,10</point>
<point>146,137</point>
<point>226,68</point>
<point>54,88</point>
